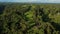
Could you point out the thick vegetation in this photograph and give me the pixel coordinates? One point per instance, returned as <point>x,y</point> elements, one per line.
<point>29,19</point>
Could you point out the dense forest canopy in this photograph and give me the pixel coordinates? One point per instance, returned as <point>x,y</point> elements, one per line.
<point>29,18</point>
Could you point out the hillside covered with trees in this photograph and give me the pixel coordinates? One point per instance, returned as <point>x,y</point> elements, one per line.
<point>29,18</point>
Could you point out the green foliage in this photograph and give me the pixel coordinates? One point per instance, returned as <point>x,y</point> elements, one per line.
<point>29,19</point>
